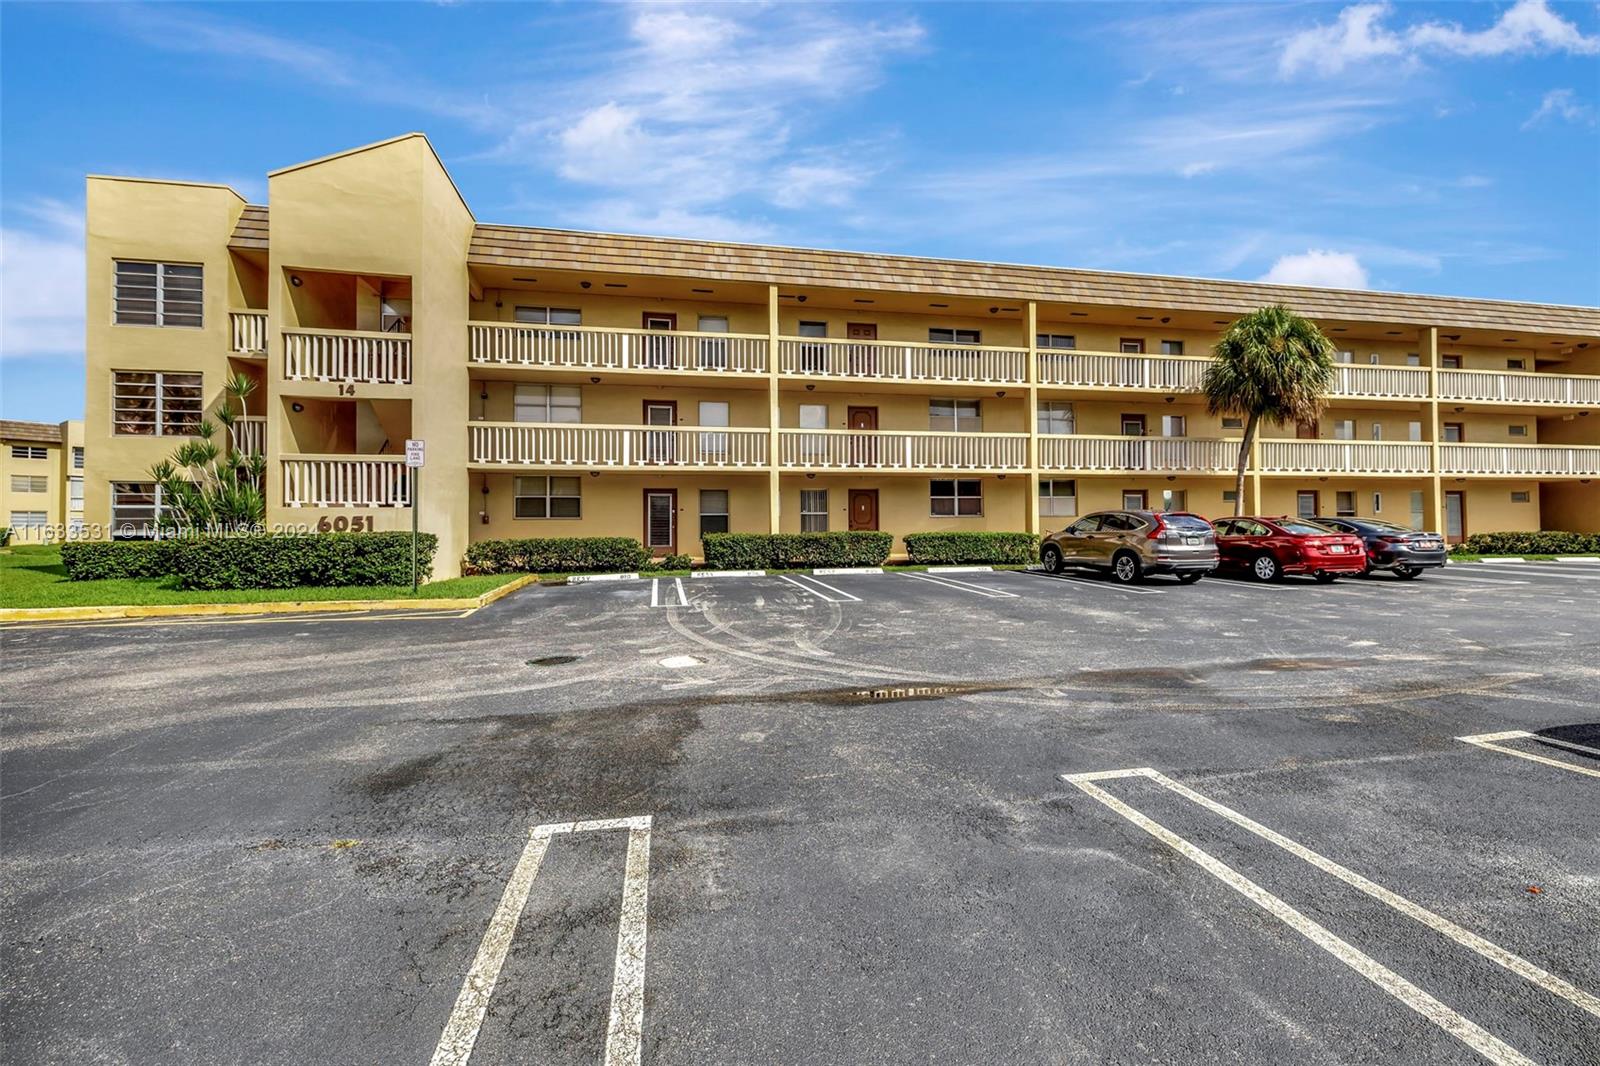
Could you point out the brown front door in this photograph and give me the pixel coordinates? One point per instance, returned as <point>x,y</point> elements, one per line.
<point>1306,430</point>
<point>1308,503</point>
<point>660,352</point>
<point>863,509</point>
<point>863,450</point>
<point>660,447</point>
<point>863,357</point>
<point>661,521</point>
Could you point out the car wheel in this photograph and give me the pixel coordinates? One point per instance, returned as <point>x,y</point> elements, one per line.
<point>1406,573</point>
<point>1051,557</point>
<point>1191,577</point>
<point>1265,568</point>
<point>1325,578</point>
<point>1127,569</point>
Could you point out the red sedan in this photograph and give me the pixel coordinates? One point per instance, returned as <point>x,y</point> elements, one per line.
<point>1268,548</point>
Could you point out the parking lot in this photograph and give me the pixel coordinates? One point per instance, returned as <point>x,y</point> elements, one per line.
<point>956,817</point>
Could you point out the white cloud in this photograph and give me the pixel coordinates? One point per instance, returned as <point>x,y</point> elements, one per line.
<point>42,283</point>
<point>1194,170</point>
<point>1333,270</point>
<point>1360,35</point>
<point>1562,104</point>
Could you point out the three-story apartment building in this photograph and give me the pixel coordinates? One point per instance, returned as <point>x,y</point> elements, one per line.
<point>41,479</point>
<point>584,384</point>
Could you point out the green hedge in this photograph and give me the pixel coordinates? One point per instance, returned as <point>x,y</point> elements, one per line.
<point>785,551</point>
<point>318,560</point>
<point>557,555</point>
<point>668,562</point>
<point>956,548</point>
<point>1531,543</point>
<point>100,560</point>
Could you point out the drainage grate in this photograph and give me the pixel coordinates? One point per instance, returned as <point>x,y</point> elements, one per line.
<point>554,660</point>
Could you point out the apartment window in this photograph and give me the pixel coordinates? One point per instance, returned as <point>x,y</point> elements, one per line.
<point>813,357</point>
<point>1344,504</point>
<point>77,458</point>
<point>29,483</point>
<point>813,416</point>
<point>29,451</point>
<point>135,508</point>
<point>1174,425</point>
<point>961,497</point>
<point>1516,364</point>
<point>1131,346</point>
<point>1058,498</point>
<point>1230,495</point>
<point>1056,416</point>
<point>1344,357</point>
<point>1416,509</point>
<point>1454,433</point>
<point>1344,429</point>
<point>940,335</point>
<point>1414,431</point>
<point>1134,499</point>
<point>713,350</point>
<point>1377,503</point>
<point>1056,340</point>
<point>714,446</point>
<point>1413,359</point>
<point>1306,504</point>
<point>156,403</point>
<point>1171,347</point>
<point>553,316</point>
<point>1233,423</point>
<point>1377,431</point>
<point>1174,499</point>
<point>956,416</point>
<point>75,494</point>
<point>27,520</point>
<point>713,511</point>
<point>1521,496</point>
<point>547,403</point>
<point>548,497</point>
<point>158,294</point>
<point>1133,425</point>
<point>1517,431</point>
<point>813,510</point>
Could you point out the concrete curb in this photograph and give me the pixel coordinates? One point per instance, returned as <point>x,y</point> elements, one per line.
<point>1578,558</point>
<point>960,569</point>
<point>727,573</point>
<point>581,579</point>
<point>201,610</point>
<point>825,571</point>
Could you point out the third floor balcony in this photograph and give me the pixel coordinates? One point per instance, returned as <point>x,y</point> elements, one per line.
<point>347,355</point>
<point>501,344</point>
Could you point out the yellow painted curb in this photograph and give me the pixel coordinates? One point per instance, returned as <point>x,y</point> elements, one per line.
<point>177,610</point>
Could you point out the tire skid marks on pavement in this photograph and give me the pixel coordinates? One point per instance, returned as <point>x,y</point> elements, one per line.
<point>1479,1039</point>
<point>1093,582</point>
<point>1490,742</point>
<point>625,1026</point>
<point>807,584</point>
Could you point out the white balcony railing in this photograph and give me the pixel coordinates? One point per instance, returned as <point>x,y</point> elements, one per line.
<point>250,435</point>
<point>595,348</point>
<point>1165,373</point>
<point>347,355</point>
<point>890,361</point>
<point>1534,460</point>
<point>1518,387</point>
<point>1380,382</point>
<point>346,481</point>
<point>1157,454</point>
<point>846,449</point>
<point>249,332</point>
<point>1344,457</point>
<point>524,444</point>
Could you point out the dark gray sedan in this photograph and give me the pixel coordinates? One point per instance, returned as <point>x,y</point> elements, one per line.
<point>1401,550</point>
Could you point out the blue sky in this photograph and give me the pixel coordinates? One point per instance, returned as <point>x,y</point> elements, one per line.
<point>1447,148</point>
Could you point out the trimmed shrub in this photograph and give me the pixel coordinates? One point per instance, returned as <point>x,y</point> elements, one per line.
<point>668,562</point>
<point>784,551</point>
<point>101,560</point>
<point>300,561</point>
<point>557,555</point>
<point>1549,542</point>
<point>956,548</point>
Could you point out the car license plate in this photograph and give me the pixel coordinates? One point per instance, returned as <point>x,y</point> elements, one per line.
<point>1337,549</point>
<point>1191,540</point>
<point>1428,545</point>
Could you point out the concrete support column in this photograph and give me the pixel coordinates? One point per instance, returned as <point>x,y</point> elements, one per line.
<point>1031,324</point>
<point>1429,341</point>
<point>774,510</point>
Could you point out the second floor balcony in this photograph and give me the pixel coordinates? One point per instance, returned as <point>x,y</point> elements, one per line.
<point>1188,455</point>
<point>1519,387</point>
<point>1115,371</point>
<point>1520,460</point>
<point>894,451</point>
<point>247,333</point>
<point>543,445</point>
<point>347,355</point>
<point>1345,457</point>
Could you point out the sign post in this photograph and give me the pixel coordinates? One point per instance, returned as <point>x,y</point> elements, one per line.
<point>416,452</point>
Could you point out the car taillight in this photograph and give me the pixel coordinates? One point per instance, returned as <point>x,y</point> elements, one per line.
<point>1390,540</point>
<point>1156,530</point>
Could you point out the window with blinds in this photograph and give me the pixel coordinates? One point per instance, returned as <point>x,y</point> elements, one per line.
<point>159,294</point>
<point>156,403</point>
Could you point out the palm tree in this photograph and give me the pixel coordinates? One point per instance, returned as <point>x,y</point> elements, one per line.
<point>1270,364</point>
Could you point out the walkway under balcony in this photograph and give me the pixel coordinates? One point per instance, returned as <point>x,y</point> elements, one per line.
<point>1520,460</point>
<point>592,348</point>
<point>883,451</point>
<point>544,446</point>
<point>1160,455</point>
<point>1519,387</point>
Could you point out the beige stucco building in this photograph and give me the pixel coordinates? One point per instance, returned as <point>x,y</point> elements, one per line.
<point>41,480</point>
<point>580,383</point>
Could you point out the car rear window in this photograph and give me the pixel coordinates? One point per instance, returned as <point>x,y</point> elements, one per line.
<point>1387,527</point>
<point>1187,523</point>
<point>1305,529</point>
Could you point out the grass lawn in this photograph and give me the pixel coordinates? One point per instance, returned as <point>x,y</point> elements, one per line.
<point>31,575</point>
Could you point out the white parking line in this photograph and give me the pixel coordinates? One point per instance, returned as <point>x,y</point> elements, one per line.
<point>1466,579</point>
<point>1533,569</point>
<point>964,586</point>
<point>1093,582</point>
<point>1487,740</point>
<point>804,582</point>
<point>625,1030</point>
<point>677,595</point>
<point>1466,1031</point>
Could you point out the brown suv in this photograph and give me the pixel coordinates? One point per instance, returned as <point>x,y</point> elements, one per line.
<point>1130,544</point>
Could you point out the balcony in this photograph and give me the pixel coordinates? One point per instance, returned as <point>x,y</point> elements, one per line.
<point>1379,382</point>
<point>1520,460</point>
<point>890,361</point>
<point>248,330</point>
<point>1344,457</point>
<point>1509,386</point>
<point>589,446</point>
<point>882,451</point>
<point>1105,370</point>
<point>594,348</point>
<point>347,355</point>
<point>250,435</point>
<point>346,481</point>
<point>1161,455</point>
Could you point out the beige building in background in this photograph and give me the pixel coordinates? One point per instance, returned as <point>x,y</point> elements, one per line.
<point>41,480</point>
<point>591,384</point>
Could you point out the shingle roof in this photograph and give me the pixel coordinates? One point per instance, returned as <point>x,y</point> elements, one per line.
<point>34,432</point>
<point>250,232</point>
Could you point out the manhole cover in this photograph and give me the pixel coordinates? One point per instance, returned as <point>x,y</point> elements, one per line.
<point>553,660</point>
